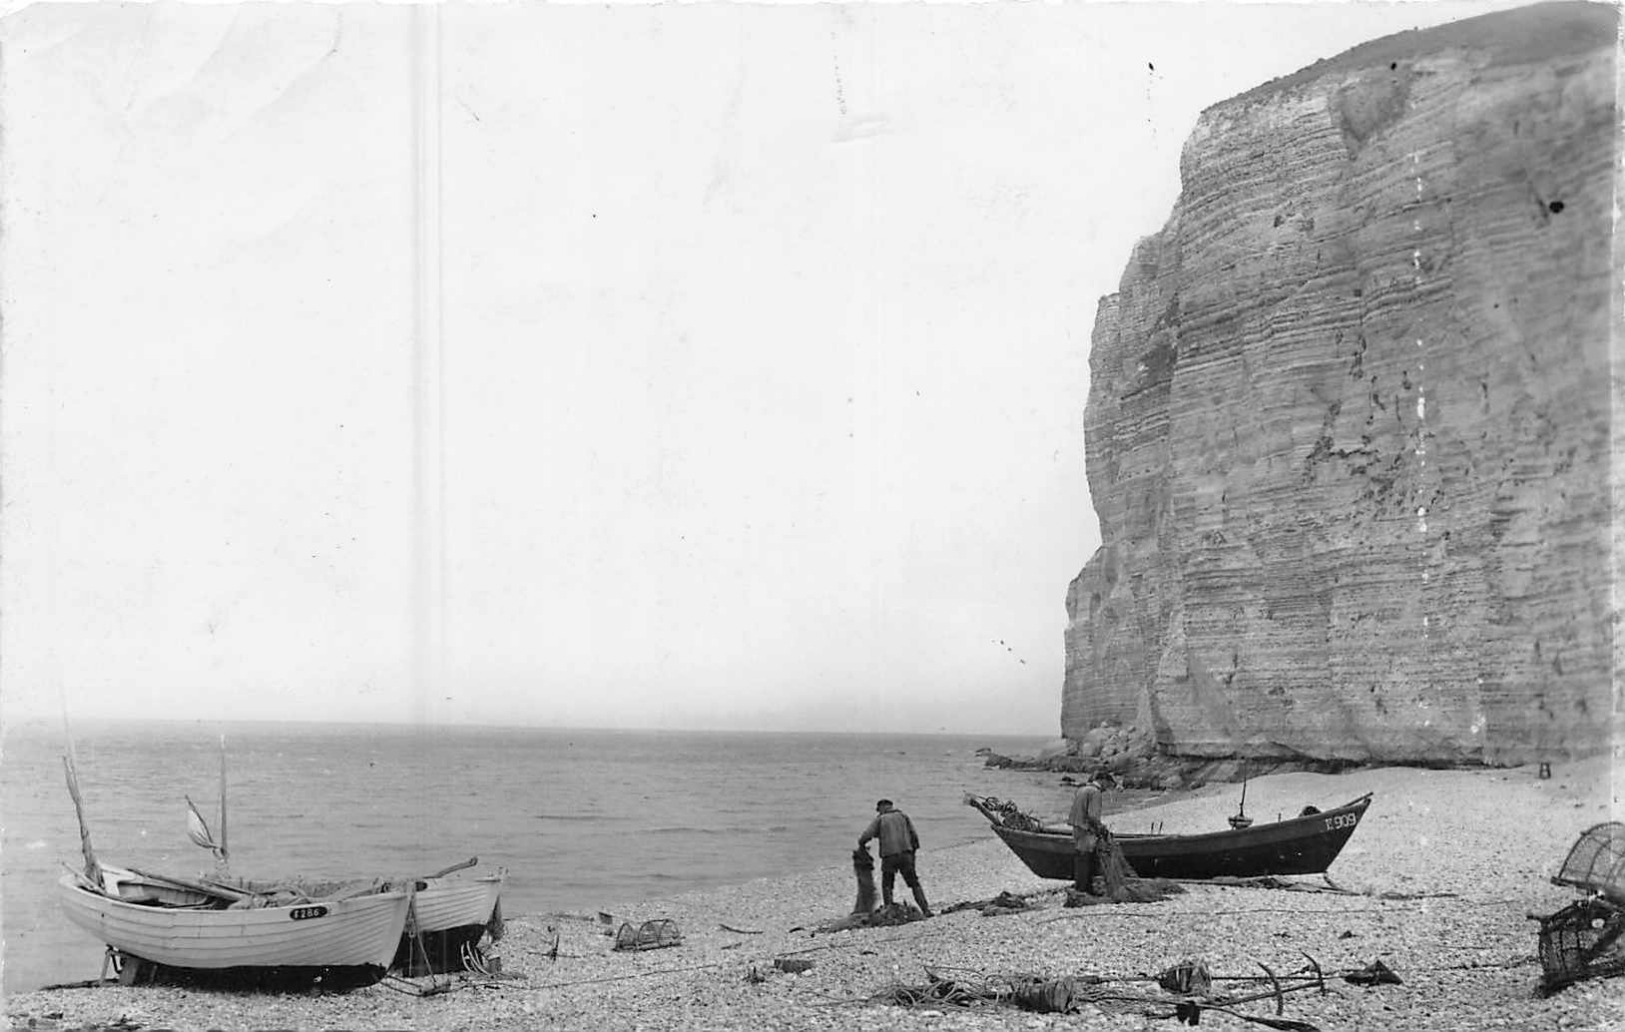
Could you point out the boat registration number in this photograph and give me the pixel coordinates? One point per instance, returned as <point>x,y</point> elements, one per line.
<point>1342,820</point>
<point>306,913</point>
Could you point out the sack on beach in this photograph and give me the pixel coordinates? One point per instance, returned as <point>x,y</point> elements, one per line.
<point>1045,996</point>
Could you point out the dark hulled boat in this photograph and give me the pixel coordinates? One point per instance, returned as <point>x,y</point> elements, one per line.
<point>1305,844</point>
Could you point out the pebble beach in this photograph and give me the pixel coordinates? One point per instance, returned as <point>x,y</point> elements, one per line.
<point>1437,883</point>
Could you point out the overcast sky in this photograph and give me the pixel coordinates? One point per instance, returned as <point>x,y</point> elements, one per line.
<point>682,366</point>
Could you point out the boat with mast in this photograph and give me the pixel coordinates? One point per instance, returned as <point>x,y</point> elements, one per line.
<point>217,927</point>
<point>1305,844</point>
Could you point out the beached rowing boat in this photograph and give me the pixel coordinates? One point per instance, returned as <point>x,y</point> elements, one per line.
<point>273,932</point>
<point>449,918</point>
<point>354,936</point>
<point>447,914</point>
<point>1306,844</point>
<point>446,903</point>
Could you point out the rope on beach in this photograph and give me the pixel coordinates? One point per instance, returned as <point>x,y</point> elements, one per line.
<point>635,974</point>
<point>1204,914</point>
<point>867,942</point>
<point>410,988</point>
<point>1067,994</point>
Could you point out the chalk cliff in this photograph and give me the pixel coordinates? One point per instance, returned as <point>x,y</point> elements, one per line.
<point>1348,431</point>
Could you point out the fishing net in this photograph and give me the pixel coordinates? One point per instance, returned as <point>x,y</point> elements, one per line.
<point>1117,879</point>
<point>1004,903</point>
<point>863,868</point>
<point>293,891</point>
<point>1005,813</point>
<point>880,917</point>
<point>1025,992</point>
<point>1113,866</point>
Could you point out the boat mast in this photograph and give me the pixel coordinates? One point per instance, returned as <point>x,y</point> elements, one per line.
<point>224,856</point>
<point>70,766</point>
<point>93,870</point>
<point>1240,820</point>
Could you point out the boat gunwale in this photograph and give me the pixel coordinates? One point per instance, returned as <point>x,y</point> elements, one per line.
<point>1222,836</point>
<point>76,882</point>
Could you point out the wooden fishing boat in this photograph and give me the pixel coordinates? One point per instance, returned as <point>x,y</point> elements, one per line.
<point>354,936</point>
<point>221,929</point>
<point>446,903</point>
<point>1306,844</point>
<point>449,917</point>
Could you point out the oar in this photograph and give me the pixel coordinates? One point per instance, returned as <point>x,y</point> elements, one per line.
<point>470,862</point>
<point>211,888</point>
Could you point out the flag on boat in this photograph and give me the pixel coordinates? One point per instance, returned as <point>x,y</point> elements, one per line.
<point>198,830</point>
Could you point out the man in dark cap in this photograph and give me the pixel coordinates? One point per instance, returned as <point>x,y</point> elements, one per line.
<point>1085,821</point>
<point>898,841</point>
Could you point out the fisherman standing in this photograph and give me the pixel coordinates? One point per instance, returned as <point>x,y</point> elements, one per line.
<point>1087,804</point>
<point>898,842</point>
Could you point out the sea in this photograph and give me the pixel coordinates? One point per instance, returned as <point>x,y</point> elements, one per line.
<point>582,820</point>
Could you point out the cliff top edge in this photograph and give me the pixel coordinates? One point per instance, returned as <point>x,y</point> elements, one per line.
<point>1521,35</point>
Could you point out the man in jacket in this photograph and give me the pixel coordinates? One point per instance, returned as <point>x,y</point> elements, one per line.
<point>1085,819</point>
<point>898,841</point>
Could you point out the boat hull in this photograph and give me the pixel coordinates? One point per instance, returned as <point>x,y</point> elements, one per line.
<point>1298,845</point>
<point>445,903</point>
<point>360,932</point>
<point>449,917</point>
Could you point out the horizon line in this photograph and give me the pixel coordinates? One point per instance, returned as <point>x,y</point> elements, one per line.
<point>8,722</point>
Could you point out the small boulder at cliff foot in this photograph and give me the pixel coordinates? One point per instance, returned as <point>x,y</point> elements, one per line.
<point>1056,747</point>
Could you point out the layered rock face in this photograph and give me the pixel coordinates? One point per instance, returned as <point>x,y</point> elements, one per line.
<point>1348,432</point>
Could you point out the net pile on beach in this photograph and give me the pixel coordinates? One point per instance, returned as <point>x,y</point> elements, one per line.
<point>1121,884</point>
<point>290,891</point>
<point>1005,902</point>
<point>1188,991</point>
<point>881,917</point>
